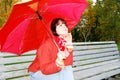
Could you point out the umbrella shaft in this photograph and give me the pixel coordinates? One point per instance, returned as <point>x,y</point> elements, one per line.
<point>40,17</point>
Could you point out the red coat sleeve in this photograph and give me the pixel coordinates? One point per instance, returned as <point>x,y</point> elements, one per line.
<point>47,54</point>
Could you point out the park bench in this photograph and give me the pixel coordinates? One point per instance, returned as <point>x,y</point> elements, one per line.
<point>92,61</point>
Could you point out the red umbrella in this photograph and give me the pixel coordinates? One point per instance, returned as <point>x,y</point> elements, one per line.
<point>28,24</point>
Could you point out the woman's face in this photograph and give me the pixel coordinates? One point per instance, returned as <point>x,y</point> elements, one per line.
<point>61,28</point>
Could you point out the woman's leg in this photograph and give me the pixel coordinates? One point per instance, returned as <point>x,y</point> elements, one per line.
<point>67,73</point>
<point>35,76</point>
<point>39,76</point>
<point>64,74</point>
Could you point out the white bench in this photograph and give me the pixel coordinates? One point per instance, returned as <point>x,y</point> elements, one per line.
<point>92,61</point>
<point>96,60</point>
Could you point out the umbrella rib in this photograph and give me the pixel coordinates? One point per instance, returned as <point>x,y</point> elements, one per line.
<point>82,3</point>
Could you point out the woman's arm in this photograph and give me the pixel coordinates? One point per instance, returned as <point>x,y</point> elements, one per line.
<point>47,54</point>
<point>68,44</point>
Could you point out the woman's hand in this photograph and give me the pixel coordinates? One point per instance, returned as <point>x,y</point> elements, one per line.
<point>68,44</point>
<point>68,38</point>
<point>59,60</point>
<point>61,55</point>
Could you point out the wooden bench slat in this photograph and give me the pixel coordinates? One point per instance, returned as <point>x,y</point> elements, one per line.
<point>94,46</point>
<point>94,51</point>
<point>21,78</point>
<point>111,73</point>
<point>87,73</point>
<point>77,58</point>
<point>97,60</point>
<point>11,54</point>
<point>96,77</point>
<point>14,67</point>
<point>101,42</point>
<point>13,74</point>
<point>93,56</point>
<point>79,67</point>
<point>103,75</point>
<point>111,66</point>
<point>95,70</point>
<point>16,59</point>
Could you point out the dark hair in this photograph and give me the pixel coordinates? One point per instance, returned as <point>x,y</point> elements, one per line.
<point>54,23</point>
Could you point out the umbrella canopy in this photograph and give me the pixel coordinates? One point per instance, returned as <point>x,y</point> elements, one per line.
<point>28,25</point>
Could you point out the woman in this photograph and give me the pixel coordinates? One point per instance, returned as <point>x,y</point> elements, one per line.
<point>52,63</point>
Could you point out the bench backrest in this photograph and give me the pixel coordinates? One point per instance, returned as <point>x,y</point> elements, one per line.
<point>89,56</point>
<point>86,55</point>
<point>15,67</point>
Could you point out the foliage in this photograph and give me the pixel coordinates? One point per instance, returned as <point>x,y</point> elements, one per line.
<point>108,12</point>
<point>87,29</point>
<point>101,22</point>
<point>5,8</point>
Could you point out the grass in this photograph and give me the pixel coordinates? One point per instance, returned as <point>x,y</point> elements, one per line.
<point>118,46</point>
<point>118,76</point>
<point>119,50</point>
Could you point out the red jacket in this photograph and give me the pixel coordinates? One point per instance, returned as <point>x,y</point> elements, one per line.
<point>46,57</point>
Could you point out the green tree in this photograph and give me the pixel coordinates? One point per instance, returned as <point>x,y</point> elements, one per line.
<point>101,22</point>
<point>87,28</point>
<point>5,8</point>
<point>109,17</point>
